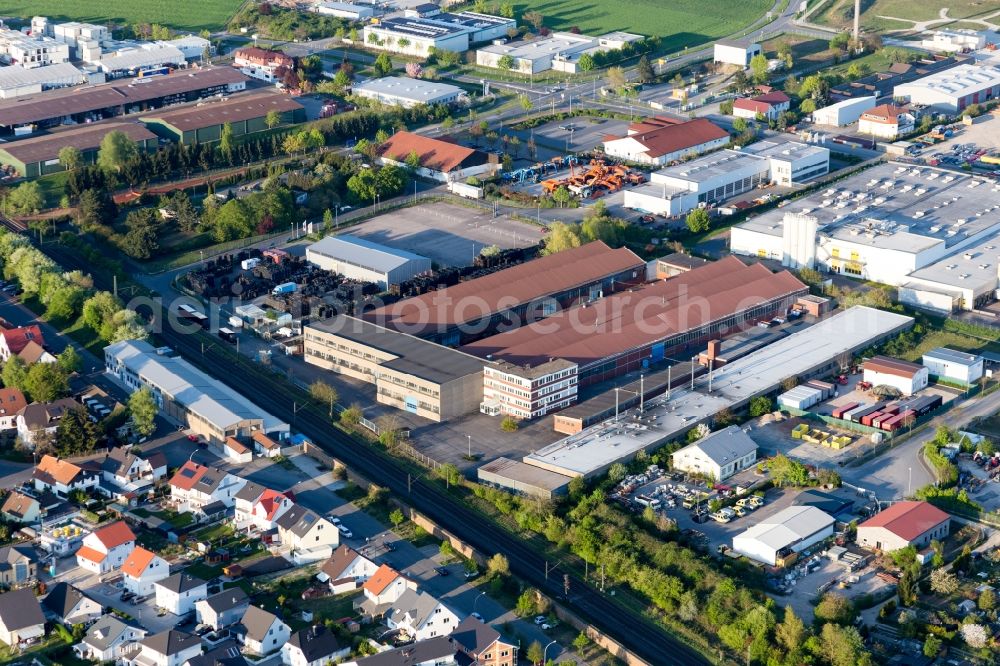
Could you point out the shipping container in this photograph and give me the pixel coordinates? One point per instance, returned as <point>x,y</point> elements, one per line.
<point>800,397</point>
<point>898,421</point>
<point>826,387</point>
<point>849,414</point>
<point>882,418</point>
<point>867,419</point>
<point>839,412</point>
<point>857,415</point>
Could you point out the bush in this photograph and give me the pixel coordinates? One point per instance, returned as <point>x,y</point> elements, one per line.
<point>509,424</point>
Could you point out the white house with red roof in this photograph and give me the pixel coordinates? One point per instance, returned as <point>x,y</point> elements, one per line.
<point>62,477</point>
<point>904,524</point>
<point>770,105</point>
<point>658,142</point>
<point>383,589</point>
<point>236,451</point>
<point>142,569</point>
<point>14,340</point>
<point>107,548</point>
<point>886,121</point>
<point>195,486</point>
<point>265,446</point>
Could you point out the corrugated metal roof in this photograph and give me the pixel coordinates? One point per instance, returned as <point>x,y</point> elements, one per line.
<point>891,366</point>
<point>236,109</point>
<point>13,77</point>
<point>787,527</point>
<point>954,356</point>
<point>724,446</point>
<point>84,137</point>
<point>366,254</point>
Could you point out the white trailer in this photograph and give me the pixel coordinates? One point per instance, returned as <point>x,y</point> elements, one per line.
<point>465,190</point>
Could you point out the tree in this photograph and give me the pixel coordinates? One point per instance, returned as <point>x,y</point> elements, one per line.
<point>352,415</point>
<point>791,632</point>
<point>944,582</point>
<point>858,70</point>
<point>758,69</point>
<point>525,102</point>
<point>45,382</point>
<point>740,125</point>
<point>70,158</point>
<point>987,600</point>
<point>535,653</point>
<point>498,566</point>
<point>698,220</point>
<point>585,63</point>
<point>272,119</point>
<point>65,302</point>
<point>760,405</point>
<point>324,393</point>
<point>383,64</point>
<point>26,198</point>
<point>534,18</point>
<point>807,106</point>
<point>226,142</point>
<point>785,471</point>
<point>932,646</point>
<point>509,424</point>
<point>617,472</point>
<point>14,373</point>
<point>69,360</point>
<point>76,434</point>
<point>562,196</point>
<point>907,588</point>
<point>506,63</point>
<point>561,237</point>
<point>616,78</point>
<point>116,150</point>
<point>396,517</point>
<point>645,70</point>
<point>975,635</point>
<point>142,408</point>
<point>843,646</point>
<point>140,242</point>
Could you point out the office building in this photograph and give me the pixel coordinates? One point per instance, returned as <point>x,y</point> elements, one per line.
<point>528,392</point>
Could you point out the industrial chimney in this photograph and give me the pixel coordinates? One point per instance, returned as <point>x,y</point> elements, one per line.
<point>857,22</point>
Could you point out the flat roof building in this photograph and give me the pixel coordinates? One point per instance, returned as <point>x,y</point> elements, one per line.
<point>246,114</point>
<point>347,10</point>
<point>133,59</point>
<point>188,395</point>
<point>521,478</point>
<point>846,112</point>
<point>735,53</point>
<point>952,90</point>
<point>92,103</point>
<point>954,366</point>
<point>789,531</point>
<point>408,92</point>
<point>20,82</point>
<point>39,155</point>
<point>451,31</point>
<point>359,259</point>
<point>718,455</point>
<point>532,57</point>
<point>810,352</point>
<point>632,329</point>
<point>409,373</point>
<point>522,293</point>
<point>528,391</point>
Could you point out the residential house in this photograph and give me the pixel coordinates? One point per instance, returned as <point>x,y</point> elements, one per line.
<point>346,569</point>
<point>129,471</point>
<point>68,605</point>
<point>226,653</point>
<point>35,353</point>
<point>265,446</point>
<point>18,566</point>
<point>381,590</point>
<point>109,639</point>
<point>42,417</point>
<point>222,609</point>
<point>268,508</point>
<point>308,535</point>
<point>62,477</point>
<point>768,106</point>
<point>142,570</point>
<point>167,648</point>
<point>886,121</point>
<point>313,646</point>
<point>261,632</point>
<point>483,645</point>
<point>263,64</point>
<point>179,593</point>
<point>11,402</point>
<point>20,508</point>
<point>107,548</point>
<point>243,502</point>
<point>235,451</point>
<point>14,340</point>
<point>21,619</point>
<point>420,616</point>
<point>437,651</point>
<point>194,486</point>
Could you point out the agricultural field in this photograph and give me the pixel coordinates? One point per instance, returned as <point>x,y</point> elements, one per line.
<point>878,15</point>
<point>680,23</point>
<point>192,15</point>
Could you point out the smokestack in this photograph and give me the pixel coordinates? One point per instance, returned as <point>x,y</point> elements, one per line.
<point>857,21</point>
<point>714,347</point>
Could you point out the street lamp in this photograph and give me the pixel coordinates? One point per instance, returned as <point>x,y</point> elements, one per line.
<point>470,446</point>
<point>545,652</point>
<point>476,601</point>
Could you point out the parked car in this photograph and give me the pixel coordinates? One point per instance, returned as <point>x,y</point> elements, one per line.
<point>346,533</point>
<point>540,619</point>
<point>477,616</point>
<point>442,571</point>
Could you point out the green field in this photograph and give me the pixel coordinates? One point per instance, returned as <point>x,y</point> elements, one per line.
<point>839,13</point>
<point>194,15</point>
<point>679,22</point>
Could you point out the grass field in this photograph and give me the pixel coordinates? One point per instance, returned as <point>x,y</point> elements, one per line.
<point>679,22</point>
<point>838,13</point>
<point>194,15</point>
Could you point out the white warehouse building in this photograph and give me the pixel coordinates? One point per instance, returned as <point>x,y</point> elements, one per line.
<point>719,455</point>
<point>791,530</point>
<point>843,113</point>
<point>406,92</point>
<point>734,53</point>
<point>359,259</point>
<point>952,90</point>
<point>454,31</point>
<point>954,366</point>
<point>553,52</point>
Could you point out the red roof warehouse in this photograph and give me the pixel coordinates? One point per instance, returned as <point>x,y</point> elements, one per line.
<point>904,524</point>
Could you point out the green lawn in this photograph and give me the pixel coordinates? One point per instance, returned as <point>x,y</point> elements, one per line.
<point>839,13</point>
<point>680,23</point>
<point>192,15</point>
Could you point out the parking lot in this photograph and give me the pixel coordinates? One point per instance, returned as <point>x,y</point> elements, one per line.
<point>968,143</point>
<point>448,234</point>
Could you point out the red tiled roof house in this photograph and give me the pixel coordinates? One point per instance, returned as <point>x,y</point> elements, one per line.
<point>106,549</point>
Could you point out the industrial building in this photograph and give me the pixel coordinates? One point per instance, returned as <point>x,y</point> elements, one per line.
<point>133,59</point>
<point>660,141</point>
<point>440,160</point>
<point>812,351</point>
<point>904,524</point>
<point>881,84</point>
<point>720,176</point>
<point>619,333</point>
<point>886,121</point>
<point>735,53</point>
<point>906,377</point>
<point>39,155</point>
<point>246,114</point>
<point>88,104</point>
<point>777,539</point>
<point>450,31</point>
<point>952,90</point>
<point>516,295</point>
<point>555,51</point>
<point>931,232</point>
<point>521,478</point>
<point>718,455</point>
<point>955,41</point>
<point>528,391</point>
<point>187,395</point>
<point>411,374</point>
<point>19,82</point>
<point>841,114</point>
<point>345,10</point>
<point>408,92</point>
<point>951,365</point>
<point>359,259</point>
<point>31,51</point>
